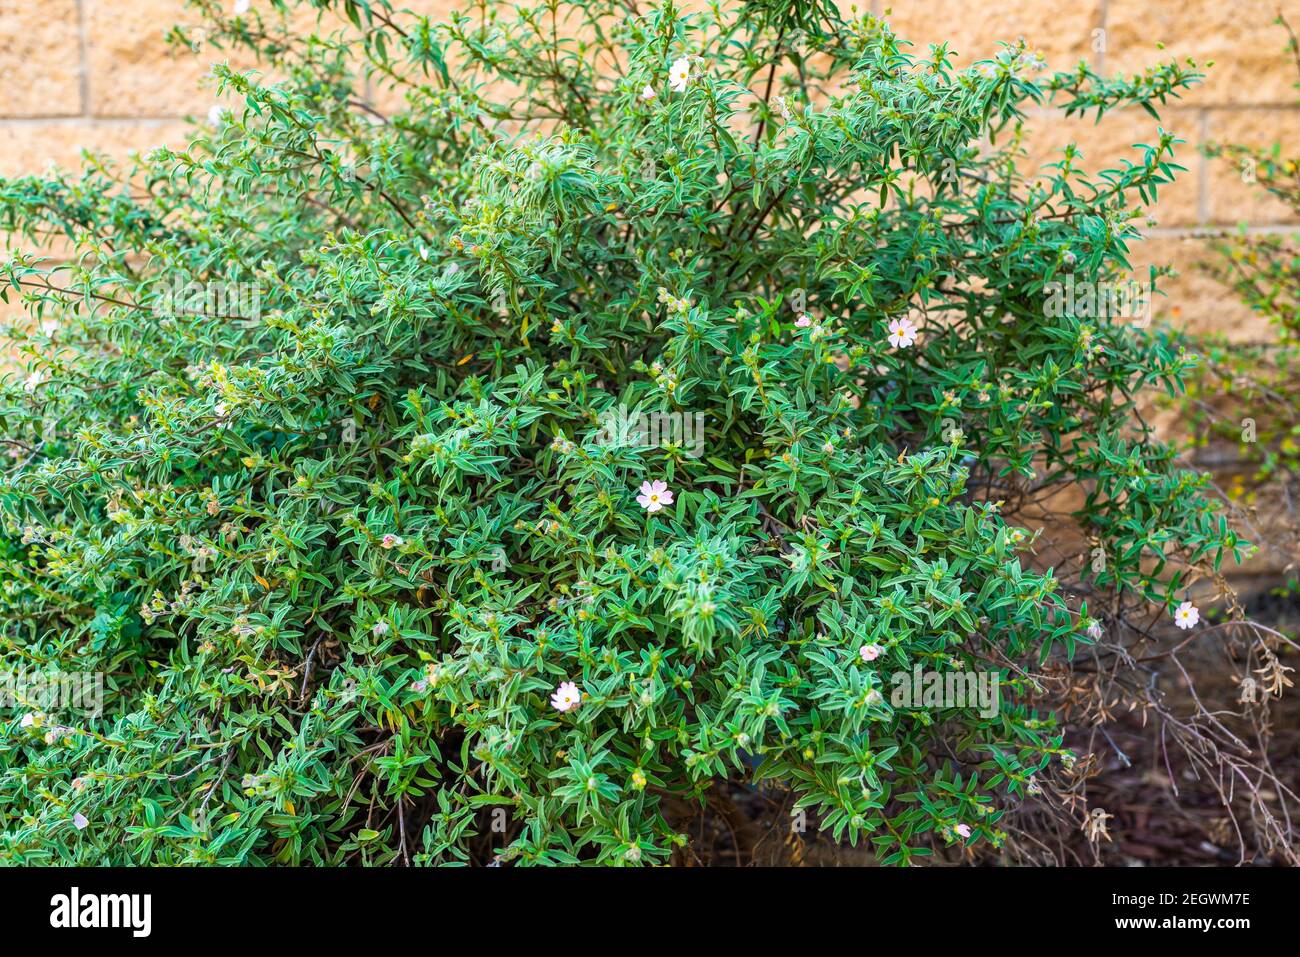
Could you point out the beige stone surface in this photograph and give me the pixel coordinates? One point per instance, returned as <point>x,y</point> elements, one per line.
<point>1193,300</point>
<point>1251,64</point>
<point>32,146</point>
<point>40,58</point>
<point>134,72</point>
<point>1060,31</point>
<point>1232,197</point>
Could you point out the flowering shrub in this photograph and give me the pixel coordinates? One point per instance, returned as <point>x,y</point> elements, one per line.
<point>368,556</point>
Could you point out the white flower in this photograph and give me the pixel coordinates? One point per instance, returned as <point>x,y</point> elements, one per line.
<point>392,541</point>
<point>380,629</point>
<point>680,74</point>
<point>1187,615</point>
<point>902,333</point>
<point>30,720</point>
<point>1095,631</point>
<point>241,7</point>
<point>647,92</point>
<point>654,495</point>
<point>79,821</point>
<point>566,696</point>
<point>33,381</point>
<point>217,115</point>
<point>869,652</point>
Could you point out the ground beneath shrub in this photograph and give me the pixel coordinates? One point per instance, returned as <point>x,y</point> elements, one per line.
<point>1162,812</point>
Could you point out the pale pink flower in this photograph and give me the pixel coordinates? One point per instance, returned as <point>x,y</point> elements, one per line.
<point>869,652</point>
<point>392,541</point>
<point>566,696</point>
<point>963,830</point>
<point>654,495</point>
<point>80,821</point>
<point>804,321</point>
<point>647,92</point>
<point>902,333</point>
<point>1187,615</point>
